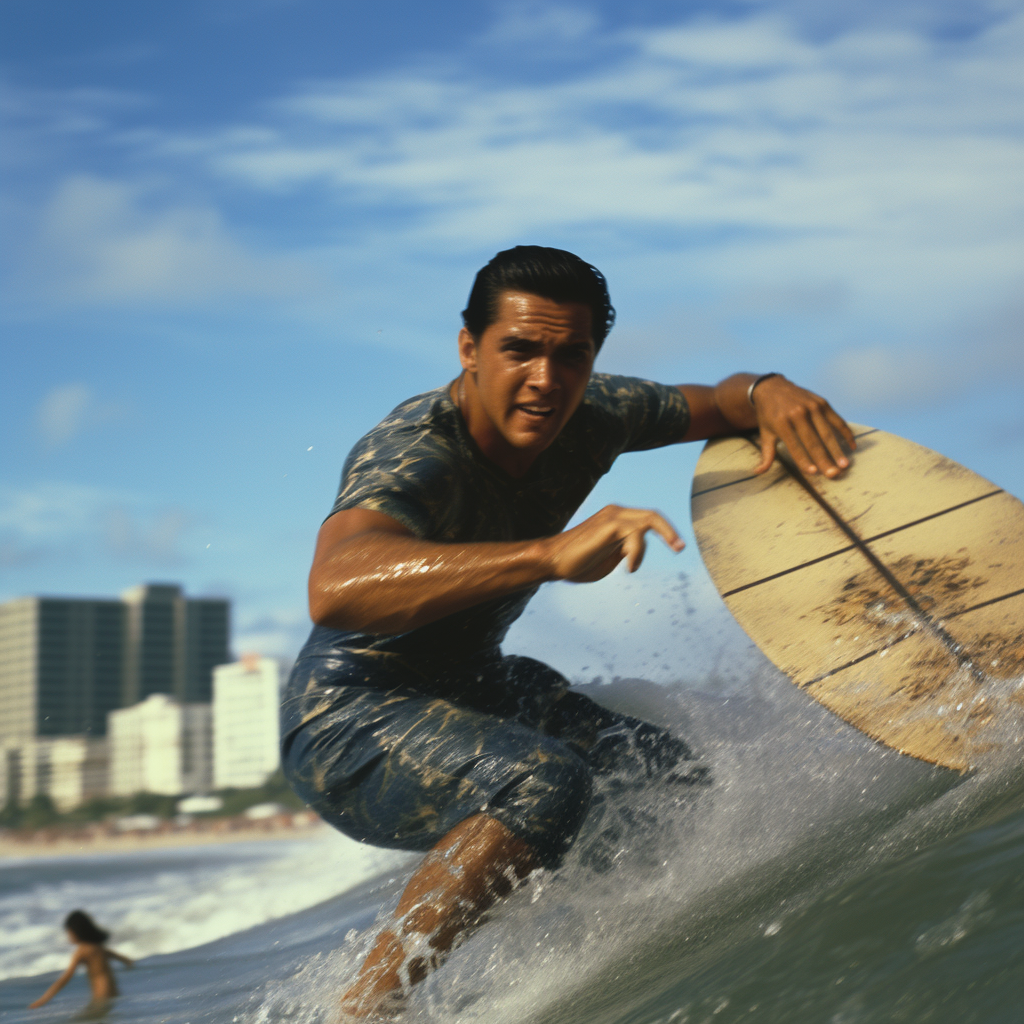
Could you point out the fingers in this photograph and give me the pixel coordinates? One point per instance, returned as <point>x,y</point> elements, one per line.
<point>664,529</point>
<point>817,437</point>
<point>828,435</point>
<point>768,443</point>
<point>839,424</point>
<point>808,426</point>
<point>814,445</point>
<point>592,550</point>
<point>633,548</point>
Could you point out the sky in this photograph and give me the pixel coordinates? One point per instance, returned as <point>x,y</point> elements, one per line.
<point>236,233</point>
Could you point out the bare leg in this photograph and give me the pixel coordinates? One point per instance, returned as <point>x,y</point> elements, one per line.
<point>477,863</point>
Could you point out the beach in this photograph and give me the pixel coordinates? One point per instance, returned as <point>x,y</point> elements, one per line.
<point>107,838</point>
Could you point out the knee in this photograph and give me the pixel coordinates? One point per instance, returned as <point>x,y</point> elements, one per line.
<point>564,787</point>
<point>546,806</point>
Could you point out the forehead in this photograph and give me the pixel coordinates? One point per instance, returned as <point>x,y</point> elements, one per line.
<point>534,316</point>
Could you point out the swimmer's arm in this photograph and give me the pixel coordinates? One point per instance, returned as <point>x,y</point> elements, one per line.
<point>782,411</point>
<point>59,983</point>
<point>372,574</point>
<point>126,960</point>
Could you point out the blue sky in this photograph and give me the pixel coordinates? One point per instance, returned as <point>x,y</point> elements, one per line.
<point>238,232</point>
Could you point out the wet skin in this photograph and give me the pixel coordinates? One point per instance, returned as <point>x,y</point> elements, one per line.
<point>98,968</point>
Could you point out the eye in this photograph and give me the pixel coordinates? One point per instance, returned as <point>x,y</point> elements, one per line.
<point>518,350</point>
<point>575,356</point>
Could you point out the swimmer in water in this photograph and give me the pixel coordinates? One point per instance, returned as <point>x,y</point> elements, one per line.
<point>90,949</point>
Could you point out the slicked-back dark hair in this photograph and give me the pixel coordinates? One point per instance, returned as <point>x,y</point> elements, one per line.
<point>84,928</point>
<point>538,270</point>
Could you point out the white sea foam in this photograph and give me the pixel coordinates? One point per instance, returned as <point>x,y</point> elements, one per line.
<point>168,900</point>
<point>799,801</point>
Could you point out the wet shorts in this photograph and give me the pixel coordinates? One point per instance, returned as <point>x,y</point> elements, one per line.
<point>394,759</point>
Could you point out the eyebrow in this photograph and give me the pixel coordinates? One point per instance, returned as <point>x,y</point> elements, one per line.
<point>520,340</point>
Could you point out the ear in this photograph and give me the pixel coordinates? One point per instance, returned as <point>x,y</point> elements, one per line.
<point>467,351</point>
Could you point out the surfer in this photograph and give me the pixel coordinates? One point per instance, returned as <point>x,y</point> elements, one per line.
<point>89,940</point>
<point>404,725</point>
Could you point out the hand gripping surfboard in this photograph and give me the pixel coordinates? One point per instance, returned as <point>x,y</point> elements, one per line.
<point>893,595</point>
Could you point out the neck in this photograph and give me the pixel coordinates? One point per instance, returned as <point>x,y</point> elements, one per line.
<point>490,442</point>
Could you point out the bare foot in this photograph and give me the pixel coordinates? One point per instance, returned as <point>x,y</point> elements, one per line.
<point>378,979</point>
<point>478,862</point>
<point>382,1008</point>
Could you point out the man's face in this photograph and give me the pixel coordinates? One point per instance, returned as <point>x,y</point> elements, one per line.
<point>525,376</point>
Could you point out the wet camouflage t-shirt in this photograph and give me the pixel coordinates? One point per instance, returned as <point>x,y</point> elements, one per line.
<point>421,466</point>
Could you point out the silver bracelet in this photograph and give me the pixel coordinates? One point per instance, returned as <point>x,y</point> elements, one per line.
<point>750,390</point>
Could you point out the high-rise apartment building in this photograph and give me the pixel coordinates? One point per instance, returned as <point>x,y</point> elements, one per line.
<point>172,643</point>
<point>65,663</point>
<point>61,666</point>
<point>246,732</point>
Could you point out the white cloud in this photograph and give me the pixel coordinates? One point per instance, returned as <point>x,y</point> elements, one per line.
<point>708,159</point>
<point>540,24</point>
<point>883,160</point>
<point>54,520</point>
<point>56,112</point>
<point>50,511</point>
<point>108,241</point>
<point>279,633</point>
<point>754,44</point>
<point>875,376</point>
<point>774,96</point>
<point>67,410</point>
<point>155,537</point>
<point>62,412</point>
<point>986,347</point>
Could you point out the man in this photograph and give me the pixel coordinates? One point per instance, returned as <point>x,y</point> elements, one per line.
<point>404,724</point>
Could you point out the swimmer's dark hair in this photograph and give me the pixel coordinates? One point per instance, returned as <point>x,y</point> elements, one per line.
<point>84,928</point>
<point>538,270</point>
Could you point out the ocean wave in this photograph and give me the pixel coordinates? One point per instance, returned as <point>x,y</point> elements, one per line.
<point>162,901</point>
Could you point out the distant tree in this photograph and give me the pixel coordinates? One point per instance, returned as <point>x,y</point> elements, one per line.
<point>274,790</point>
<point>151,803</point>
<point>11,815</point>
<point>40,812</point>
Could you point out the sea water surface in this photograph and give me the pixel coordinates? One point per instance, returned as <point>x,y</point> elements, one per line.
<point>820,877</point>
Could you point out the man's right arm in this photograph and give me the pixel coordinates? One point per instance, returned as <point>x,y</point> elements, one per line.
<point>371,574</point>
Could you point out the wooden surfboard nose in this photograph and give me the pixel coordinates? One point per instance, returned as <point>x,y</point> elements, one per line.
<point>894,594</point>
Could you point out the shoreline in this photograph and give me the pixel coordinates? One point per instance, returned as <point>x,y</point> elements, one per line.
<point>69,843</point>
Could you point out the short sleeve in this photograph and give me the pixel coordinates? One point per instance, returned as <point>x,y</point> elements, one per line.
<point>408,478</point>
<point>647,415</point>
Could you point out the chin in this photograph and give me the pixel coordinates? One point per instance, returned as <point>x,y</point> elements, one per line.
<point>534,441</point>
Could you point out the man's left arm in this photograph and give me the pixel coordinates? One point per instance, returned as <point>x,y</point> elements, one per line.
<point>780,410</point>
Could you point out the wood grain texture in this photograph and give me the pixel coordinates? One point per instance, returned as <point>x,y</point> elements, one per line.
<point>894,595</point>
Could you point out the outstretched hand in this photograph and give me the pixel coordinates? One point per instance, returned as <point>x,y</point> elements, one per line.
<point>805,423</point>
<point>590,551</point>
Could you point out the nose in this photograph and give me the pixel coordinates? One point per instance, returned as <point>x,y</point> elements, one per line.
<point>542,375</point>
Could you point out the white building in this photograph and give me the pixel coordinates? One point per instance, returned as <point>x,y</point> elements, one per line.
<point>160,746</point>
<point>246,733</point>
<point>68,769</point>
<point>75,767</point>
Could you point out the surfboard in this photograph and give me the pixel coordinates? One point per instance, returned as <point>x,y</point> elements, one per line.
<point>893,594</point>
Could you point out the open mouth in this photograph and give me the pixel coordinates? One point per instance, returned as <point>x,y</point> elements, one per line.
<point>537,412</point>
